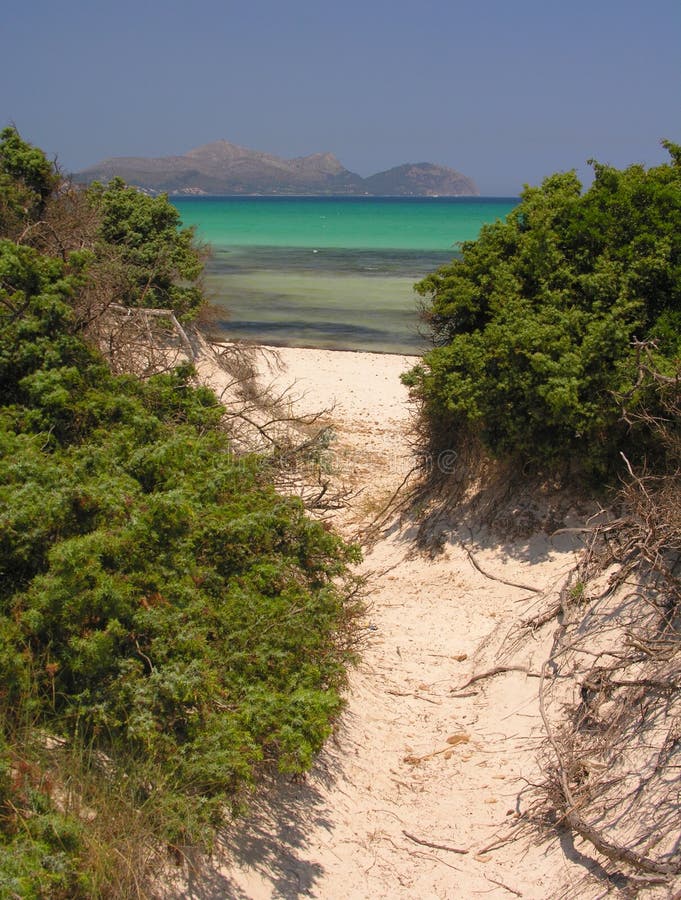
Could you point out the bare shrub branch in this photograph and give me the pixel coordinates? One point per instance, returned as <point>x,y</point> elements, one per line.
<point>609,693</point>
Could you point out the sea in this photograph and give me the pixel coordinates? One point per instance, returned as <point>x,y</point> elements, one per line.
<point>329,272</point>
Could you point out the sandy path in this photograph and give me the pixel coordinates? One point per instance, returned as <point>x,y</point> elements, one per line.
<point>352,828</point>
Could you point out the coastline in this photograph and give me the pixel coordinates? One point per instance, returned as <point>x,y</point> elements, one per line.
<point>327,272</point>
<point>274,346</point>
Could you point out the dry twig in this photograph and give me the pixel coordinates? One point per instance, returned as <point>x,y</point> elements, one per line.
<point>432,845</point>
<point>497,670</point>
<point>515,584</point>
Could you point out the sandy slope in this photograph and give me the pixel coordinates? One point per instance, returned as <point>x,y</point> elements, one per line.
<point>411,766</point>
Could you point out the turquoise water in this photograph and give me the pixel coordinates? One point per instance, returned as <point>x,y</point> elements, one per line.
<point>327,272</point>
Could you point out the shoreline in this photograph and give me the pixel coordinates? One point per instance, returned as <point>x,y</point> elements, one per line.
<point>218,337</point>
<point>268,345</point>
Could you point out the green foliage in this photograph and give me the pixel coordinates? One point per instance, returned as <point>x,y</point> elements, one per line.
<point>40,846</point>
<point>22,162</point>
<point>533,326</point>
<point>161,263</point>
<point>174,598</point>
<point>168,622</point>
<point>27,179</point>
<point>137,253</point>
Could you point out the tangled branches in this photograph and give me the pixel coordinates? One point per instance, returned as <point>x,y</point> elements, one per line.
<point>141,341</point>
<point>259,417</point>
<point>611,688</point>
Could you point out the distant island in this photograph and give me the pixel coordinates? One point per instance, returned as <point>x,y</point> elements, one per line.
<point>223,168</point>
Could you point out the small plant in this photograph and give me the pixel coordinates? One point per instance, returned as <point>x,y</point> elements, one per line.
<point>577,592</point>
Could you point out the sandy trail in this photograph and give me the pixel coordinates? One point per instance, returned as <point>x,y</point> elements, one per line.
<point>413,774</point>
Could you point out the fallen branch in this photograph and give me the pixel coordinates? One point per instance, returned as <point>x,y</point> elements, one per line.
<point>501,884</point>
<point>496,845</point>
<point>544,618</point>
<point>575,822</point>
<point>497,670</point>
<point>415,696</point>
<point>515,584</point>
<point>416,840</point>
<point>145,312</point>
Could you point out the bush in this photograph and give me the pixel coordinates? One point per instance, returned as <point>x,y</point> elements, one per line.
<point>533,327</point>
<point>138,254</point>
<point>170,625</point>
<point>27,180</point>
<point>167,597</point>
<point>160,264</point>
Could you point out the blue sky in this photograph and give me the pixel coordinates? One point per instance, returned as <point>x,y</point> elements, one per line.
<point>506,91</point>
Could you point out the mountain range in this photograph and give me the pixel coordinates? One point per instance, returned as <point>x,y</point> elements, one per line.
<point>223,168</point>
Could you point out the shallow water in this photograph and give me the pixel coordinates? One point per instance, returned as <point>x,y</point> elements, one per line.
<point>332,273</point>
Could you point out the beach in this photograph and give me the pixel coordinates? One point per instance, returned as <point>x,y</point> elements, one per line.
<point>420,790</point>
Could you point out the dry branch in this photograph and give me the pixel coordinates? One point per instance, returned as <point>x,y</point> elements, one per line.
<point>505,886</point>
<point>609,691</point>
<point>432,845</point>
<point>515,584</point>
<point>497,670</point>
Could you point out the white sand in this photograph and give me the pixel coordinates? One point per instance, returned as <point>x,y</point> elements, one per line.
<point>352,829</point>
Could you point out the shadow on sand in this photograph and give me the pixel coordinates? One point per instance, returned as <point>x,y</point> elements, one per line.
<point>266,849</point>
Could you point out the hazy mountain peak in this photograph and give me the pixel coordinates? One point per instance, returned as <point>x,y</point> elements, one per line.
<point>223,151</point>
<point>221,167</point>
<point>320,162</point>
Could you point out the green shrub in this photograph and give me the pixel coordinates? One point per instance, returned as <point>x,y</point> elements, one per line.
<point>172,604</point>
<point>138,253</point>
<point>27,180</point>
<point>533,326</point>
<point>159,263</point>
<point>170,625</point>
<point>40,847</point>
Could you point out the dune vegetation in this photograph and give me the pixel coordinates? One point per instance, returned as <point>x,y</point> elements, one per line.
<point>170,626</point>
<point>538,329</point>
<point>174,626</point>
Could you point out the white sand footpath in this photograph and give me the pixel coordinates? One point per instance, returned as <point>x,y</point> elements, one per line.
<point>411,767</point>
